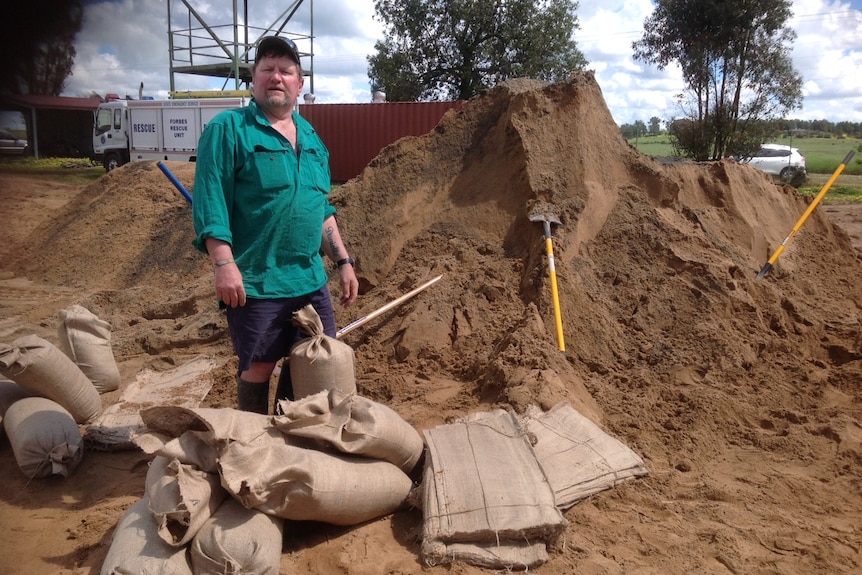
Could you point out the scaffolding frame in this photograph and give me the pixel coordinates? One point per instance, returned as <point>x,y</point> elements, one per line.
<point>223,50</point>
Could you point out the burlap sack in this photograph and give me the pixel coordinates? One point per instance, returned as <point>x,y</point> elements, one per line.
<point>40,367</point>
<point>307,485</point>
<point>86,340</point>
<point>45,439</point>
<point>10,392</point>
<point>218,424</point>
<point>319,362</point>
<point>137,549</point>
<point>182,498</point>
<point>578,458</point>
<point>279,474</point>
<point>354,425</point>
<point>196,436</point>
<point>191,448</point>
<point>238,540</point>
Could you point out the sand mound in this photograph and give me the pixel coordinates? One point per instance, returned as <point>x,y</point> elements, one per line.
<point>741,394</point>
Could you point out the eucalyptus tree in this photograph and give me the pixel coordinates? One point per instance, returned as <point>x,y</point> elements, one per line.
<point>735,60</point>
<point>454,49</point>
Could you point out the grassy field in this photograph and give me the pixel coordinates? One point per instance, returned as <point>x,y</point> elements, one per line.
<point>653,145</point>
<point>822,155</point>
<point>822,158</point>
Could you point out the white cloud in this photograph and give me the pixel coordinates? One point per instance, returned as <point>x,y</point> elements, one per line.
<point>125,42</point>
<point>828,52</point>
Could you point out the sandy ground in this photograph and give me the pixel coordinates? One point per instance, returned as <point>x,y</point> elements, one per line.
<point>742,395</point>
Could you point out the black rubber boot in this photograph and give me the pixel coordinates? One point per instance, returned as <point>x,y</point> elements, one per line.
<point>285,387</point>
<point>252,396</point>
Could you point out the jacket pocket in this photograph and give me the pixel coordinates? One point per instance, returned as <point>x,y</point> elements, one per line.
<point>271,168</point>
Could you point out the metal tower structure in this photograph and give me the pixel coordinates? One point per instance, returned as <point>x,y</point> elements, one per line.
<point>226,50</point>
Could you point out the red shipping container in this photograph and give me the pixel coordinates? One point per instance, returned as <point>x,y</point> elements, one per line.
<point>355,133</point>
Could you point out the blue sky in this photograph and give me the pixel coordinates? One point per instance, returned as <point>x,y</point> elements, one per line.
<point>124,43</point>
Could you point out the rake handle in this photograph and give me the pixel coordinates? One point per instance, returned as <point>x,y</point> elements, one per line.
<point>365,319</point>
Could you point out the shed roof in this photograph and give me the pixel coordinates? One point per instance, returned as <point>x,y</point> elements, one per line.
<point>49,102</point>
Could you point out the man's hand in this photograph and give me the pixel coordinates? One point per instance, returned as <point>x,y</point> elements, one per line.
<point>349,285</point>
<point>228,285</point>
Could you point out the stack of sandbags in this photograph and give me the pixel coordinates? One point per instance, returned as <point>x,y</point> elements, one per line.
<point>232,540</point>
<point>43,428</point>
<point>223,481</point>
<point>495,483</point>
<point>287,475</point>
<point>319,362</point>
<point>62,387</point>
<point>86,340</point>
<point>485,498</point>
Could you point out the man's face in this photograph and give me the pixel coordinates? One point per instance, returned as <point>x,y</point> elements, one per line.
<point>277,82</point>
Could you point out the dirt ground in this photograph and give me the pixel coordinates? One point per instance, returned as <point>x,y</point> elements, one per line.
<point>741,394</point>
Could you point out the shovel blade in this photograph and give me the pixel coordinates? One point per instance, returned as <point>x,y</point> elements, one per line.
<point>542,211</point>
<point>545,217</point>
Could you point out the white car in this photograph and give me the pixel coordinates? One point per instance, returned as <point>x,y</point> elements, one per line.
<point>11,144</point>
<point>779,160</point>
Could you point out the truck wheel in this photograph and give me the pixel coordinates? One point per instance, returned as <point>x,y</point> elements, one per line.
<point>112,161</point>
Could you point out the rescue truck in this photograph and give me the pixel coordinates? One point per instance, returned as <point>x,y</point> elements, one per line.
<point>127,130</point>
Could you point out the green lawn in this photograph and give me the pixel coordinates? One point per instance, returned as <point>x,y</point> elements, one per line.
<point>75,171</point>
<point>822,155</point>
<point>653,145</point>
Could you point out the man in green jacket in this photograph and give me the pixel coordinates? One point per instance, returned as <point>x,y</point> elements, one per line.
<point>261,212</point>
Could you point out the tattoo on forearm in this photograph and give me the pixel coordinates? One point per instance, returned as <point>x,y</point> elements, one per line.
<point>329,231</point>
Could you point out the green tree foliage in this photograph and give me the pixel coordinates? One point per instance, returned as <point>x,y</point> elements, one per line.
<point>453,49</point>
<point>735,60</point>
<point>633,130</point>
<point>640,129</point>
<point>37,39</point>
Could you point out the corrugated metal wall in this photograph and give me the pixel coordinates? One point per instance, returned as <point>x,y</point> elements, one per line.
<point>355,133</point>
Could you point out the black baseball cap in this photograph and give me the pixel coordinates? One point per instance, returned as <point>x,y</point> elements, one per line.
<point>276,46</point>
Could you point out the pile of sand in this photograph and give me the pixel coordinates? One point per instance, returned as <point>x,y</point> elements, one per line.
<point>742,395</point>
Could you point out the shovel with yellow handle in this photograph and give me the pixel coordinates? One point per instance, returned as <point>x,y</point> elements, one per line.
<point>768,266</point>
<point>541,212</point>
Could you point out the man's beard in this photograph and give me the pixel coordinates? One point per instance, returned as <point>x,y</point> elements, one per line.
<point>274,102</point>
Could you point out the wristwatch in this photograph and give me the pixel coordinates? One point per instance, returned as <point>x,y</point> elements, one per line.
<point>350,261</point>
